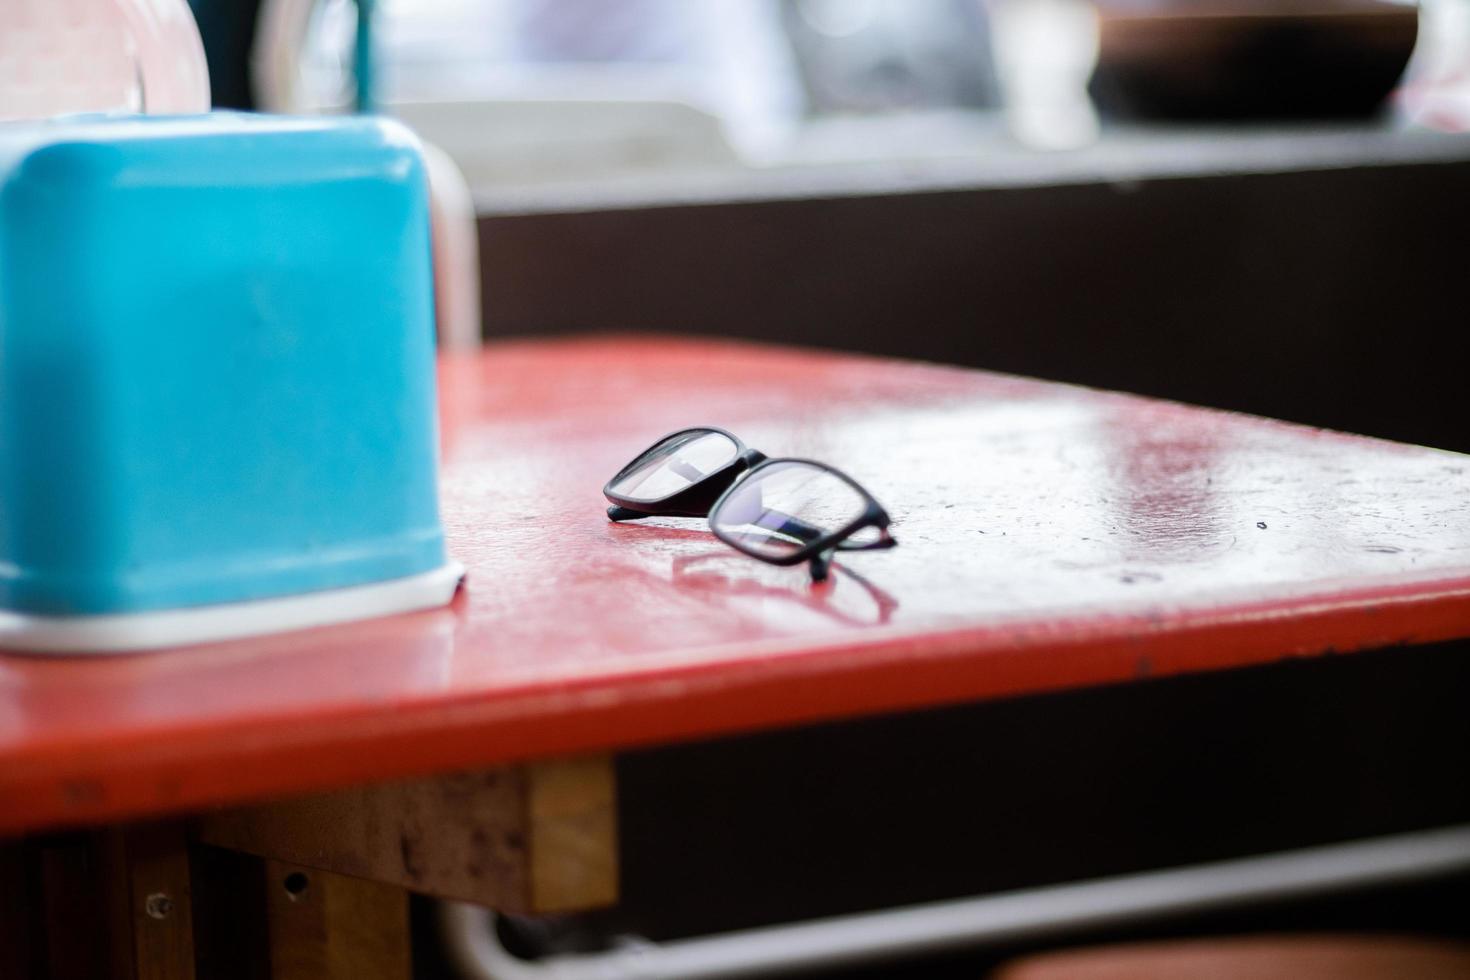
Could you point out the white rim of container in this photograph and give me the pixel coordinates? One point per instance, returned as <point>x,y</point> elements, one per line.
<point>113,633</point>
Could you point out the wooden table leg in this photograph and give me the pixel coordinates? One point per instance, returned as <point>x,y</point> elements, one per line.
<point>537,838</point>
<point>325,926</point>
<point>311,888</point>
<point>112,903</point>
<point>120,903</point>
<point>155,864</point>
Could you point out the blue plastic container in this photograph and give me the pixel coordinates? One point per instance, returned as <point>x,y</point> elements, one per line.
<point>217,408</point>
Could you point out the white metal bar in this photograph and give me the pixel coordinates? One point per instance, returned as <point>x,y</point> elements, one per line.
<point>939,926</point>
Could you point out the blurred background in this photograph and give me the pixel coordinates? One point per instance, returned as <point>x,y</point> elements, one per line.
<point>1261,206</point>
<point>551,91</point>
<point>1253,205</point>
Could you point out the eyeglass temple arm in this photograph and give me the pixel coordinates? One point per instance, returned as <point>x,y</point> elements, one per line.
<point>801,530</point>
<point>821,563</point>
<point>884,540</point>
<point>792,527</point>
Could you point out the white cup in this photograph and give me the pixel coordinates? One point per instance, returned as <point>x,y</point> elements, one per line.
<point>59,57</point>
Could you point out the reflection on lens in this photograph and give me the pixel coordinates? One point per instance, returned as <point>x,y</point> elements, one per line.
<point>678,462</point>
<point>785,507</point>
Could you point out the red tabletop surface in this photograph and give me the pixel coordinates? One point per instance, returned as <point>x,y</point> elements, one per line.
<point>1050,537</point>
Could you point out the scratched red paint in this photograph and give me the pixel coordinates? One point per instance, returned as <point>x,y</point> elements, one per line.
<point>1050,537</point>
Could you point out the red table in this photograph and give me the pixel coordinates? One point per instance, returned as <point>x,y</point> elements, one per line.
<point>1050,537</point>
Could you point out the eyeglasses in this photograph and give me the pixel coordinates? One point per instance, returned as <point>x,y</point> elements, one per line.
<point>782,511</point>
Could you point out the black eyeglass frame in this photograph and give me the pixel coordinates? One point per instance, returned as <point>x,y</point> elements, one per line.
<point>705,496</point>
<point>696,500</point>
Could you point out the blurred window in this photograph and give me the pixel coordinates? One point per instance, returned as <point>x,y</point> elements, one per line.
<point>616,84</point>
<point>546,90</point>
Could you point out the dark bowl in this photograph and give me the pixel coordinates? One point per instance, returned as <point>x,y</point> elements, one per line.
<point>1257,61</point>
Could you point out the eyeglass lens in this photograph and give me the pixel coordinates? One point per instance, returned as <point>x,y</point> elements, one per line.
<point>785,506</point>
<point>679,461</point>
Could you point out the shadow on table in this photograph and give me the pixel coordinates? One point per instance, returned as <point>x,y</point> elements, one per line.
<point>723,573</point>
